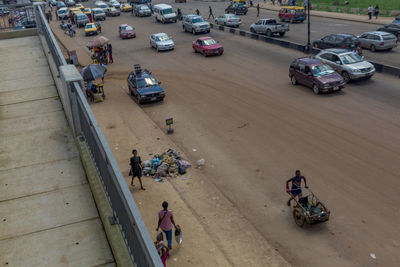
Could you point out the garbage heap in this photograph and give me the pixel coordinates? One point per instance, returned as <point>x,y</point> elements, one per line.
<point>168,164</point>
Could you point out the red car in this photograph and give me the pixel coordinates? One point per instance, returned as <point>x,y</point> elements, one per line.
<point>207,46</point>
<point>314,73</point>
<point>126,31</point>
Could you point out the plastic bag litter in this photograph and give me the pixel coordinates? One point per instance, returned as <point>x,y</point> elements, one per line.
<point>185,164</point>
<point>146,163</point>
<point>201,162</point>
<point>373,255</point>
<point>162,169</point>
<point>146,170</point>
<point>178,234</point>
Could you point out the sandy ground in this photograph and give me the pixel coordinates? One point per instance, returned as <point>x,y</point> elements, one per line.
<point>254,130</point>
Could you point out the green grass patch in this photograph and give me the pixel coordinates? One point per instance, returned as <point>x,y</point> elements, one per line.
<point>383,4</point>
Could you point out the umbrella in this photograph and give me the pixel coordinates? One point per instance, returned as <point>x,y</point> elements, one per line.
<point>98,41</point>
<point>93,71</point>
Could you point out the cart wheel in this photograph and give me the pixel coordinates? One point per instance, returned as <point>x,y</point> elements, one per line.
<point>298,218</point>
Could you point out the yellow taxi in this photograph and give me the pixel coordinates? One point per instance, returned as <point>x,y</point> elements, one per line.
<point>87,11</point>
<point>80,6</point>
<point>74,10</point>
<point>91,29</point>
<point>126,7</point>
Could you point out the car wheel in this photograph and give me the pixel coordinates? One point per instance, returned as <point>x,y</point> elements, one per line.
<point>373,48</point>
<point>389,49</point>
<point>252,30</point>
<point>315,89</point>
<point>281,34</point>
<point>131,92</point>
<point>293,80</point>
<point>194,50</point>
<point>269,33</point>
<point>204,53</point>
<point>346,76</point>
<point>298,218</point>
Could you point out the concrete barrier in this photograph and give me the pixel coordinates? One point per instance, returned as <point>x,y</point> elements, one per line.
<point>299,47</point>
<point>18,33</point>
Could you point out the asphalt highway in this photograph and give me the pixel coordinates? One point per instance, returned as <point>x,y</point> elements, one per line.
<point>320,27</point>
<point>254,129</point>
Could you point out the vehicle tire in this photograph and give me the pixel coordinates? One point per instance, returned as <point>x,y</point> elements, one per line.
<point>221,53</point>
<point>373,48</point>
<point>281,34</point>
<point>269,33</point>
<point>131,92</point>
<point>194,50</point>
<point>252,30</point>
<point>204,53</point>
<point>346,76</point>
<point>298,217</point>
<point>315,89</point>
<point>293,80</point>
<point>389,49</point>
<point>301,21</point>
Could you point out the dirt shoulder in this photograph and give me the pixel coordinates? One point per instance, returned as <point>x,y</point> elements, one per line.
<point>215,233</point>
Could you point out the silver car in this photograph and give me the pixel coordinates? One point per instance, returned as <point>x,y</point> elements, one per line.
<point>228,20</point>
<point>195,24</point>
<point>378,41</point>
<point>161,41</point>
<point>347,63</point>
<point>142,11</point>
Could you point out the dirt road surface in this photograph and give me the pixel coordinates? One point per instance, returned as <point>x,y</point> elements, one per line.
<point>254,129</point>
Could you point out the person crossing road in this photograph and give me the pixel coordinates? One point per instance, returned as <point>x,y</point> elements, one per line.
<point>210,12</point>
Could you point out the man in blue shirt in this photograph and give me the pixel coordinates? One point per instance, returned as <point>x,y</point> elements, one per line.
<point>296,186</point>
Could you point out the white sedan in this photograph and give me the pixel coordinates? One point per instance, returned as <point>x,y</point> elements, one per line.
<point>161,41</point>
<point>228,20</point>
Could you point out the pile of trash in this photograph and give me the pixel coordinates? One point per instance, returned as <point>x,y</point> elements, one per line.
<point>168,164</point>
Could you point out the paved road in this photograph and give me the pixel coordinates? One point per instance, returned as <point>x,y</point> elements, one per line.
<point>298,32</point>
<point>254,129</point>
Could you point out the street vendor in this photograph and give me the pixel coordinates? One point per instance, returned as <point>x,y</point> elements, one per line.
<point>295,190</point>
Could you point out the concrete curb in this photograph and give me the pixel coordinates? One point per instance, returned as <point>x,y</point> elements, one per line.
<point>18,33</point>
<point>115,238</point>
<point>299,47</point>
<point>331,16</point>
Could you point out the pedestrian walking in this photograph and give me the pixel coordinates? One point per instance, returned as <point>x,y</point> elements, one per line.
<point>132,11</point>
<point>251,3</point>
<point>258,10</point>
<point>151,8</point>
<point>57,18</point>
<point>165,222</point>
<point>98,24</point>
<point>47,17</point>
<point>136,167</point>
<point>376,11</point>
<point>211,13</point>
<point>370,8</point>
<point>198,12</point>
<point>109,48</point>
<point>50,15</point>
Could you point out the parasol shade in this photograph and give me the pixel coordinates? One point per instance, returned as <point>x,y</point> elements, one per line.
<point>98,41</point>
<point>92,72</point>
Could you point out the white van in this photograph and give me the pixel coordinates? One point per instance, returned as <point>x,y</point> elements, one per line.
<point>164,13</point>
<point>102,5</point>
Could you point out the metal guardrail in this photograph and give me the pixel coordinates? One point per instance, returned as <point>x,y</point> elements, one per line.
<point>126,213</point>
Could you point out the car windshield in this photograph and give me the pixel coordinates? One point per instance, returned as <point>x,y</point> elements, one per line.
<point>388,37</point>
<point>98,12</point>
<point>89,26</point>
<point>62,11</point>
<point>143,8</point>
<point>146,82</point>
<point>197,20</point>
<point>351,58</point>
<point>230,16</point>
<point>209,42</point>
<point>162,38</point>
<point>81,16</point>
<point>396,21</point>
<point>127,28</point>
<point>167,11</point>
<point>321,70</point>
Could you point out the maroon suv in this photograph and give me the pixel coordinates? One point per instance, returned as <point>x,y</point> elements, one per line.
<point>313,73</point>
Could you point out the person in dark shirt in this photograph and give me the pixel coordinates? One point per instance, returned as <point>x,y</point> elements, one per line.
<point>136,168</point>
<point>295,191</point>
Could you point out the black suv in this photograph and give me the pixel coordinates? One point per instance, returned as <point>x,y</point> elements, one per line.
<point>144,87</point>
<point>238,9</point>
<point>391,28</point>
<point>338,40</point>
